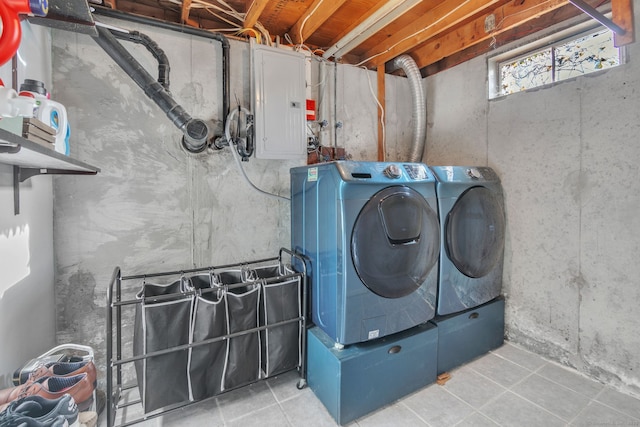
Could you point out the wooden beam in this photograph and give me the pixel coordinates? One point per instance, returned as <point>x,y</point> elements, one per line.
<point>441,18</point>
<point>516,33</point>
<point>313,18</point>
<point>356,21</point>
<point>506,17</point>
<point>253,12</point>
<point>622,15</point>
<point>184,15</point>
<point>382,149</point>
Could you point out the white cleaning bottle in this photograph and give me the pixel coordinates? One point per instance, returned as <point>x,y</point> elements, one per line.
<point>49,112</point>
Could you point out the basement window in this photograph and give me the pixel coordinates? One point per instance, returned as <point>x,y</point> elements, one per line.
<point>571,57</point>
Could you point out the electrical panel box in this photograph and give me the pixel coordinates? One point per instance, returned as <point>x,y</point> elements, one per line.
<point>278,102</point>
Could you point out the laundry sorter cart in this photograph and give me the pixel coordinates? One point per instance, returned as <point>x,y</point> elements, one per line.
<point>190,335</point>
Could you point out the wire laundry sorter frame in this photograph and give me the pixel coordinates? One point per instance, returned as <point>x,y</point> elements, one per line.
<point>240,286</point>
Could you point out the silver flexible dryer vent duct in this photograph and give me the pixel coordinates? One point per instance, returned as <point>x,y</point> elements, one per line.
<point>419,116</point>
<point>196,131</point>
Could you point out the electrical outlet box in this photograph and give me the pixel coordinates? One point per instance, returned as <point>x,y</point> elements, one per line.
<point>278,102</point>
<point>489,23</point>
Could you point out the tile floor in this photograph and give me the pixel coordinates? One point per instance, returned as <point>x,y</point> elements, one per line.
<point>507,387</point>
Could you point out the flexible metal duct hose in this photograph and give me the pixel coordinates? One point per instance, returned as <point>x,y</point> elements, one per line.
<point>419,116</point>
<point>195,130</point>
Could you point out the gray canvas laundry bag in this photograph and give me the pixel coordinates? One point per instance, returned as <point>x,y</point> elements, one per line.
<point>206,363</point>
<point>280,301</point>
<point>160,325</point>
<point>242,365</point>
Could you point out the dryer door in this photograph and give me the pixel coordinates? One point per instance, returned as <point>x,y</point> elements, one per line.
<point>475,232</point>
<point>395,242</point>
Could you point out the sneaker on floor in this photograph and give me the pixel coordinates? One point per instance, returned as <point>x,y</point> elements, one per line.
<point>78,386</point>
<point>41,409</point>
<point>20,421</point>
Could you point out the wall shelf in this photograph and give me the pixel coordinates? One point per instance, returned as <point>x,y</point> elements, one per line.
<point>30,159</point>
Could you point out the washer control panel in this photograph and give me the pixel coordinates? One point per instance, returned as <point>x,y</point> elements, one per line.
<point>378,172</point>
<point>416,172</point>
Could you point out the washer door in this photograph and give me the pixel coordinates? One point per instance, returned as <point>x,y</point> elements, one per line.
<point>475,232</point>
<point>395,242</point>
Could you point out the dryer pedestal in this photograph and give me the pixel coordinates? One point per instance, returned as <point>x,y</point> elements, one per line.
<point>464,336</point>
<point>364,377</point>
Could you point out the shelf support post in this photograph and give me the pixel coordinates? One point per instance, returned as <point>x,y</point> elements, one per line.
<point>16,190</point>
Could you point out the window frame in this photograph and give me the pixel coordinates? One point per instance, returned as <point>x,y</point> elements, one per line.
<point>530,47</point>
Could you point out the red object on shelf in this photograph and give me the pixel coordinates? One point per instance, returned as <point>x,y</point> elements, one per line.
<point>11,31</point>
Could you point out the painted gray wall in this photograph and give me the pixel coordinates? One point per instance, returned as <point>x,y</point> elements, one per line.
<point>567,156</point>
<point>27,308</point>
<point>155,208</point>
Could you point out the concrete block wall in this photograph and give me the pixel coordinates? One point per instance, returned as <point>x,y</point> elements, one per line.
<point>567,156</point>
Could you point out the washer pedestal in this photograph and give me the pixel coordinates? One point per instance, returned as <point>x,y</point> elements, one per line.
<point>364,377</point>
<point>464,336</point>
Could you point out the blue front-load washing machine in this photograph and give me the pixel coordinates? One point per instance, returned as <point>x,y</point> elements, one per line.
<point>371,233</point>
<point>472,220</point>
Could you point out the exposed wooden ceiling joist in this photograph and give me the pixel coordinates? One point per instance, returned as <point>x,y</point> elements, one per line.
<point>184,15</point>
<point>353,23</point>
<point>620,11</point>
<point>253,12</point>
<point>431,31</point>
<point>316,15</point>
<point>515,33</point>
<point>504,17</point>
<point>441,18</point>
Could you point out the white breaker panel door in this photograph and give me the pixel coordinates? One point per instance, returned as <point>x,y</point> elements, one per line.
<point>279,100</point>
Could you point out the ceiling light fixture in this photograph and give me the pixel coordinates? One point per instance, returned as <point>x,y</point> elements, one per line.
<point>388,13</point>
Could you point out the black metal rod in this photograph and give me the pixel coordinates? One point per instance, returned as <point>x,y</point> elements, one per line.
<point>119,326</point>
<point>16,190</point>
<point>303,262</point>
<point>205,342</point>
<point>195,270</point>
<point>109,338</point>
